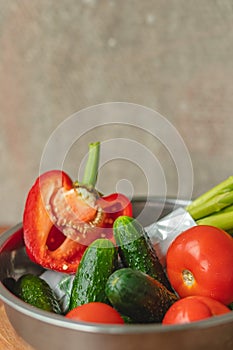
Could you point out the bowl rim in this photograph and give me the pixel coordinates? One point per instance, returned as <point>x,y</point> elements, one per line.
<point>11,301</point>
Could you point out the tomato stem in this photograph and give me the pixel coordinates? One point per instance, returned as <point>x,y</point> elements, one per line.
<point>188,278</point>
<point>92,165</point>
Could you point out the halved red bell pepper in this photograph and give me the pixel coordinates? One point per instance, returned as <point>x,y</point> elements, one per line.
<point>61,218</point>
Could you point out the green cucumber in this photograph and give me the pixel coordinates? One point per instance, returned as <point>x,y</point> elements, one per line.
<point>98,262</point>
<point>35,291</point>
<point>138,296</point>
<point>136,250</point>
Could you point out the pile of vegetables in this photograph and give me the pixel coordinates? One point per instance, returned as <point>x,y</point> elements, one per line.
<point>117,277</point>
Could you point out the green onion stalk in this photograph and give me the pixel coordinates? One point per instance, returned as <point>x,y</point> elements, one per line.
<point>215,207</point>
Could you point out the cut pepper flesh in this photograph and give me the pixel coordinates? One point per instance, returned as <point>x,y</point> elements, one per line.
<point>61,219</point>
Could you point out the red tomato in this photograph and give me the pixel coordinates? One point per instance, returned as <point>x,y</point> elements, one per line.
<point>193,308</point>
<point>95,312</point>
<point>199,262</point>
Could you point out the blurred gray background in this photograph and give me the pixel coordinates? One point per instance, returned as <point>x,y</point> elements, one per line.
<point>59,57</point>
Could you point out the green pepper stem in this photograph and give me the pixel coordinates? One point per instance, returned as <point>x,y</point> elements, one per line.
<point>92,165</point>
<point>212,201</point>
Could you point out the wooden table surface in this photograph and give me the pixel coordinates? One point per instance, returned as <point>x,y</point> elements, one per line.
<point>9,340</point>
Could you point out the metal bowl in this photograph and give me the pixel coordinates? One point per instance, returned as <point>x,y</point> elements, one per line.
<point>45,330</point>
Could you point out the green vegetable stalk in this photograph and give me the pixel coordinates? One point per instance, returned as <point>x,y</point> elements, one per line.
<point>91,167</point>
<point>215,207</point>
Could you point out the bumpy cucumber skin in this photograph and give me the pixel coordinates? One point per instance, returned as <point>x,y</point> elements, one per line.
<point>138,296</point>
<point>95,267</point>
<point>136,250</point>
<point>35,291</point>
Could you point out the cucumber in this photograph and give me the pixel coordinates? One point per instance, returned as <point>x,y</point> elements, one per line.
<point>98,262</point>
<point>136,250</point>
<point>138,296</point>
<point>35,291</point>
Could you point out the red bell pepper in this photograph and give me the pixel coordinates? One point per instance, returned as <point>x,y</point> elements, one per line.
<point>61,217</point>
